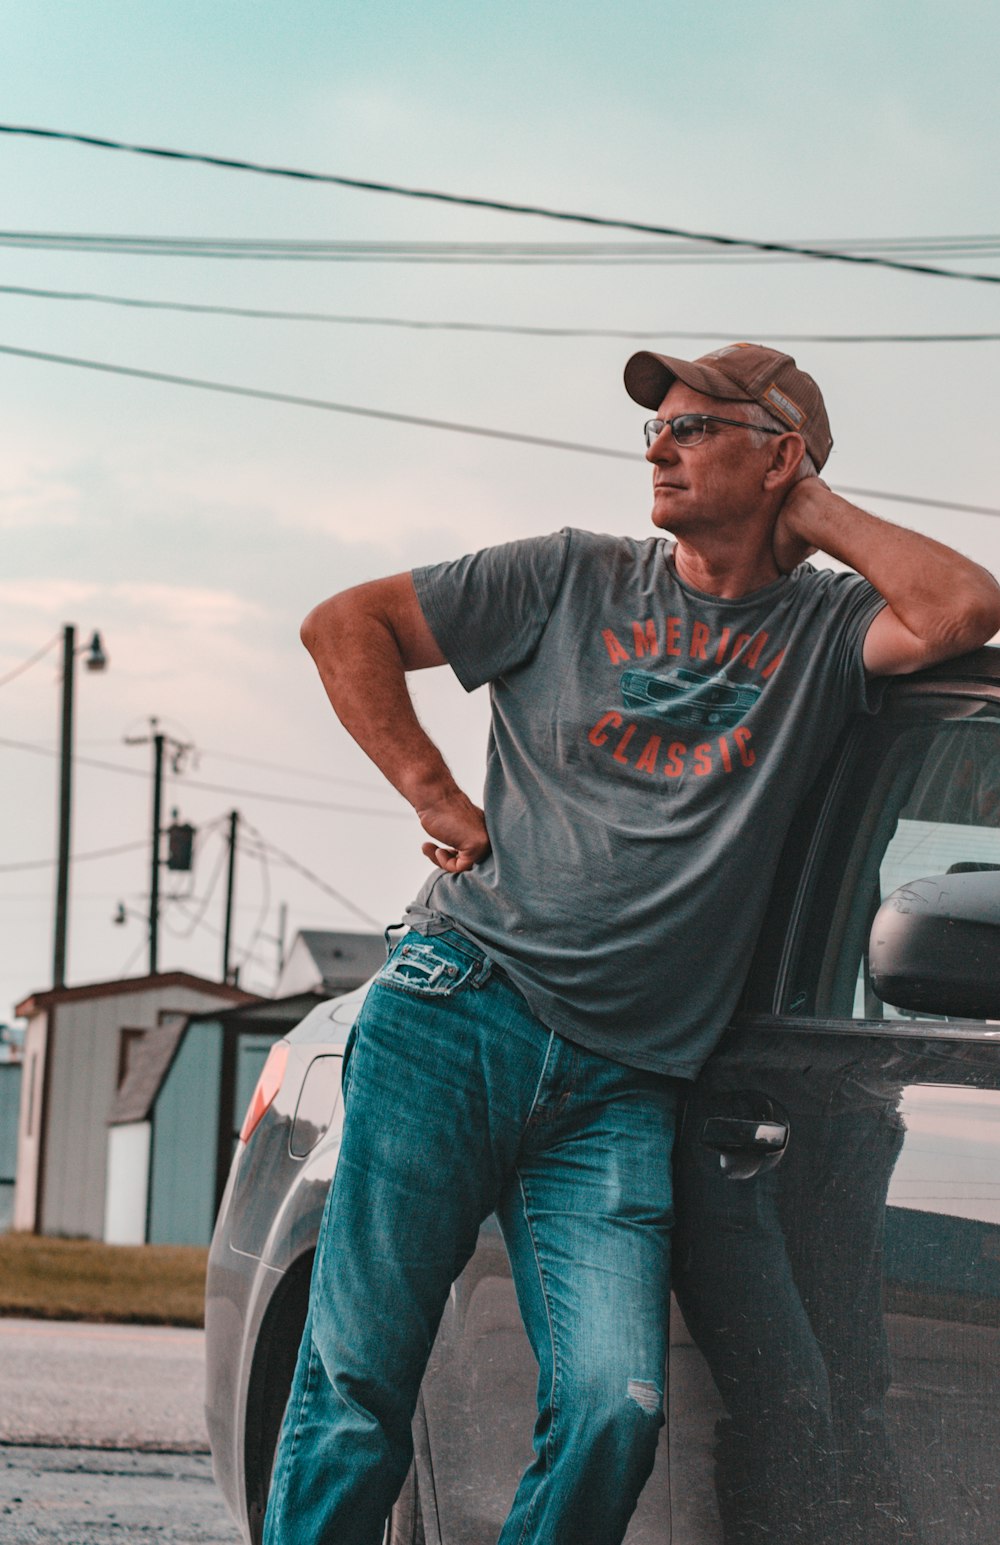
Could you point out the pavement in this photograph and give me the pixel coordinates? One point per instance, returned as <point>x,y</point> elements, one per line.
<point>89,1496</point>
<point>64,1384</point>
<point>102,1437</point>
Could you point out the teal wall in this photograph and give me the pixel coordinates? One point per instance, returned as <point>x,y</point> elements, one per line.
<point>185,1131</point>
<point>10,1096</point>
<point>185,1127</point>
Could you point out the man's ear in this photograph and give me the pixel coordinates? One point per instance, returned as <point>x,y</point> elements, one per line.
<point>786,459</point>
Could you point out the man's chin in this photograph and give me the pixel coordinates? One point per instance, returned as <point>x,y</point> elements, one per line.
<point>665,516</point>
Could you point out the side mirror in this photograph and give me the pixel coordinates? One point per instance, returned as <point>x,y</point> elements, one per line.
<point>935,946</point>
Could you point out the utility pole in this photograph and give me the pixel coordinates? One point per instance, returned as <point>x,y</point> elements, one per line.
<point>178,750</point>
<point>65,807</point>
<point>282,930</point>
<point>154,868</point>
<point>96,661</point>
<point>234,821</point>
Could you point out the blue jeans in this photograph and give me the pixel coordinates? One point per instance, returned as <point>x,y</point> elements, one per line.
<point>459,1104</point>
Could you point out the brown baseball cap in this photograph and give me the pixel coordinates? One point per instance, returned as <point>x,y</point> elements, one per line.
<point>740,372</point>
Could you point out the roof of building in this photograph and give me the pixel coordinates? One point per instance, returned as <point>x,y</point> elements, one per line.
<point>267,1014</point>
<point>155,1051</point>
<point>342,960</point>
<point>36,1002</point>
<point>149,1062</point>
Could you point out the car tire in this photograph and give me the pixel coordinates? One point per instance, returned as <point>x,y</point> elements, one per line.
<point>405,1525</point>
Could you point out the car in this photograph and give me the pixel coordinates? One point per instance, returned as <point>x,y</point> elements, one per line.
<point>835,1344</point>
<point>688,698</point>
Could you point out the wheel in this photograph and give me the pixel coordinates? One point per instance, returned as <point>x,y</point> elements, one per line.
<point>405,1524</point>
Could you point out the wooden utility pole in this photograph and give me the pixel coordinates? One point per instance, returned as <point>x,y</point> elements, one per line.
<point>65,808</point>
<point>234,821</point>
<point>178,749</point>
<point>154,868</point>
<point>96,660</point>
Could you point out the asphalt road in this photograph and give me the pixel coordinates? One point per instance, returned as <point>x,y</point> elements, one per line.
<point>125,1386</point>
<point>74,1496</point>
<point>102,1437</point>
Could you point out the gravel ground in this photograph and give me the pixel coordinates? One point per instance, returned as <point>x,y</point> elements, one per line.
<point>63,1383</point>
<point>72,1496</point>
<point>102,1437</point>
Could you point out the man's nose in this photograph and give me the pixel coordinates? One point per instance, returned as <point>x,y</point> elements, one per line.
<point>664,447</point>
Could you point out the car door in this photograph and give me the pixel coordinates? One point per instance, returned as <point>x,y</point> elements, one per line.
<point>834,1376</point>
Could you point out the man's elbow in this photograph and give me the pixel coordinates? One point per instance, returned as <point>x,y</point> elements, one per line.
<point>319,628</point>
<point>977,621</point>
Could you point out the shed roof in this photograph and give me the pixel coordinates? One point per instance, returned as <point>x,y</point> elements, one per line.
<point>265,1014</point>
<point>342,960</point>
<point>36,1002</point>
<point>148,1067</point>
<point>152,1058</point>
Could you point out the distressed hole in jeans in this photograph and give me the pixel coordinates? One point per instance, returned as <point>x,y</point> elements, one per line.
<point>645,1394</point>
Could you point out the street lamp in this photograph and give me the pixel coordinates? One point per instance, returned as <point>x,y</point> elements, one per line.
<point>96,660</point>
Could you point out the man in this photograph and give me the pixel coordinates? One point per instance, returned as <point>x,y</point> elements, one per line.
<point>658,711</point>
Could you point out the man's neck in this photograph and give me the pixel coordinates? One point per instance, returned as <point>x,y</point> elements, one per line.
<point>727,574</point>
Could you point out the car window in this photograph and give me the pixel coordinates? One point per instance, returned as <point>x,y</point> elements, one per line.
<point>921,797</point>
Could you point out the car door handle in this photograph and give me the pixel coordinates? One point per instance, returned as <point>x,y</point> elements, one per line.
<point>745,1147</point>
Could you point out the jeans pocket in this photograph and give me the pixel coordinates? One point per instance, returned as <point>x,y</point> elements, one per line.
<point>430,967</point>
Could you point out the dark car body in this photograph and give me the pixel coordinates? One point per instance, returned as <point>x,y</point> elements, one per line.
<point>835,1353</point>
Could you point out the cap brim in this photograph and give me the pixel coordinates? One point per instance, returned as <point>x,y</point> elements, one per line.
<point>649,377</point>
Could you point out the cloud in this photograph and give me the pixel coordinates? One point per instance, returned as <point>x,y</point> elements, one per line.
<point>54,596</point>
<point>186,605</point>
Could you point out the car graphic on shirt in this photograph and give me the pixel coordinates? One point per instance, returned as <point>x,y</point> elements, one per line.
<point>687,698</point>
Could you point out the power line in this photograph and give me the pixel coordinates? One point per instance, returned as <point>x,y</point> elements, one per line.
<point>316,402</point>
<point>478,253</point>
<point>253,761</point>
<point>216,934</point>
<point>423,423</point>
<point>549,251</point>
<point>323,885</point>
<point>211,788</point>
<point>76,858</point>
<point>286,767</point>
<point>86,761</point>
<point>265,905</point>
<point>26,665</point>
<point>291,799</point>
<point>257,312</point>
<point>933,504</point>
<point>367,185</point>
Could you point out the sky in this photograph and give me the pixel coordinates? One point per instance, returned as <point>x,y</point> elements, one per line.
<point>195,530</point>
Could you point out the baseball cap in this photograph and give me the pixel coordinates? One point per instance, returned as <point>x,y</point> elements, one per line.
<point>740,372</point>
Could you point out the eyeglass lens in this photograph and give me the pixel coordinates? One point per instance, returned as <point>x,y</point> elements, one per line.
<point>689,429</point>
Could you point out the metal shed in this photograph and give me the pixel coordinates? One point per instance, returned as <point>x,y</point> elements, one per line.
<point>176,1119</point>
<point>78,1047</point>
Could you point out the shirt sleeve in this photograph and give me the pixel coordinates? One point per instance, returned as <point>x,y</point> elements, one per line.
<point>488,610</point>
<point>854,603</point>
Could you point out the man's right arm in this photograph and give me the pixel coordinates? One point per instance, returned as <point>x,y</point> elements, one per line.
<point>363,642</point>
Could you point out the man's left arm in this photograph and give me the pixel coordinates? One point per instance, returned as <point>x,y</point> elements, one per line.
<point>939,604</point>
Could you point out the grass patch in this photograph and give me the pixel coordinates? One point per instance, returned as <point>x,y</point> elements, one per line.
<point>81,1279</point>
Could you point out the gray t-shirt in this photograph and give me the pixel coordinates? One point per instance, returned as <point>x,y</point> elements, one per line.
<point>648,747</point>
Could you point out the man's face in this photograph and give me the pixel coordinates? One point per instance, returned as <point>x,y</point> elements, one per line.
<point>714,484</point>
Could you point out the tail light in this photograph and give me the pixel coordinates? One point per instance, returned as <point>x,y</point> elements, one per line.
<point>268,1085</point>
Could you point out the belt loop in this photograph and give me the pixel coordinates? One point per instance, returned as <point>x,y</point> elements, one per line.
<point>484,973</point>
<point>390,944</point>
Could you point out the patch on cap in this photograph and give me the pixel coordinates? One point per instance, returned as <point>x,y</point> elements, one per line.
<point>784,406</point>
<point>730,348</point>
